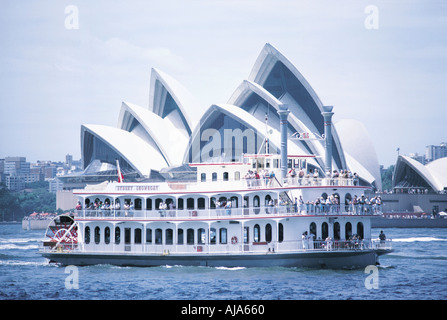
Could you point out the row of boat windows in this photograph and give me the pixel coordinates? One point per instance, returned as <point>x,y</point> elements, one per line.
<point>193,236</point>
<point>182,204</point>
<point>198,236</point>
<point>324,232</point>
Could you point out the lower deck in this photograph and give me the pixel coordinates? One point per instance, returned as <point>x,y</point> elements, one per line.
<point>279,234</point>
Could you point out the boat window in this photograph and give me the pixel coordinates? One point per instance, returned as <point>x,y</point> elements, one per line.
<point>180,236</point>
<point>237,176</point>
<point>190,236</point>
<point>190,203</point>
<point>225,176</point>
<point>275,163</point>
<point>268,232</point>
<point>246,202</point>
<point>201,203</point>
<point>117,235</point>
<point>267,200</point>
<point>203,177</point>
<point>170,204</point>
<point>313,229</point>
<point>137,236</point>
<point>336,231</point>
<point>158,236</point>
<point>138,204</point>
<point>87,235</point>
<point>180,204</point>
<point>149,235</point>
<point>348,199</point>
<point>246,234</point>
<point>157,203</point>
<point>234,202</point>
<point>256,233</point>
<point>360,230</point>
<point>256,201</point>
<point>201,236</point>
<point>213,236</point>
<point>256,204</point>
<point>280,232</point>
<point>324,230</point>
<point>148,204</point>
<point>127,235</point>
<point>169,236</point>
<point>348,230</point>
<point>97,235</point>
<point>214,176</point>
<point>213,203</point>
<point>107,235</point>
<point>223,235</point>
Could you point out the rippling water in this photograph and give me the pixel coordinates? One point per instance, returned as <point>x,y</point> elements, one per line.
<point>416,270</point>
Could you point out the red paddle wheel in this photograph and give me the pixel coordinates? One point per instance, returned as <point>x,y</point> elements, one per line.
<point>62,233</point>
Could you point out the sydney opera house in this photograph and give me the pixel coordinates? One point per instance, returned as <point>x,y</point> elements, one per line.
<point>159,140</point>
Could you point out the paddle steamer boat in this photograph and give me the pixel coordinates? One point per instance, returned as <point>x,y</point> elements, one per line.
<point>237,214</point>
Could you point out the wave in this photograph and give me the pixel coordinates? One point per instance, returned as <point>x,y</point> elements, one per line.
<point>24,263</point>
<point>230,268</point>
<point>414,239</point>
<point>20,240</point>
<point>13,246</point>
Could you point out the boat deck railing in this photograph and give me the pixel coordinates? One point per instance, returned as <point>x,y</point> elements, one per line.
<point>306,245</point>
<point>223,213</point>
<point>264,182</point>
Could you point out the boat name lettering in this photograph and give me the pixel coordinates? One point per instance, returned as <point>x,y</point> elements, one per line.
<point>136,188</point>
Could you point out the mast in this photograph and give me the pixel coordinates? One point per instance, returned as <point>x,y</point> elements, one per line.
<point>283,114</point>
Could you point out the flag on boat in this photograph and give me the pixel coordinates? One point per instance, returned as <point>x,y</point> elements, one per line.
<point>120,175</point>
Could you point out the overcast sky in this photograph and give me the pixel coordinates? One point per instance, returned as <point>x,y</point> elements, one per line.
<point>386,67</point>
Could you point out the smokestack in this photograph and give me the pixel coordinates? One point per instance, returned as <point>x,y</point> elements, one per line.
<point>283,114</point>
<point>327,115</point>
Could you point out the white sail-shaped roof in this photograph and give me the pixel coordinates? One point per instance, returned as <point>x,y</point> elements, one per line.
<point>409,170</point>
<point>105,143</point>
<point>357,143</point>
<point>160,133</point>
<point>169,99</point>
<point>175,129</point>
<point>243,119</point>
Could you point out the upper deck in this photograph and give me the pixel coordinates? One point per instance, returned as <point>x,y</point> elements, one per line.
<point>256,172</point>
<point>227,190</point>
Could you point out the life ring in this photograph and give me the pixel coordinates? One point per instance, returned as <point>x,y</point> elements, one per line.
<point>234,240</point>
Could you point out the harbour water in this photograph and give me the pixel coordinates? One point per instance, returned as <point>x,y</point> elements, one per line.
<point>416,270</point>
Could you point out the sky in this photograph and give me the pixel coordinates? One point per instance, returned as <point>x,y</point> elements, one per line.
<point>68,63</point>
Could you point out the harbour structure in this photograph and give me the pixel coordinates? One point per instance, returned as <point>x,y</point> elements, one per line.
<point>223,131</point>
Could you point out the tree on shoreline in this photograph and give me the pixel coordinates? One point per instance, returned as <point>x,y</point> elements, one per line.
<point>15,205</point>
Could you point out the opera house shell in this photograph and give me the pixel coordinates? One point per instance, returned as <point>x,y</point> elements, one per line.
<point>412,176</point>
<point>174,130</point>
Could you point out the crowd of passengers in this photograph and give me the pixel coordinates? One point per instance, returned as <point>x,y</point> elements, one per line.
<point>354,241</point>
<point>299,177</point>
<point>329,205</point>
